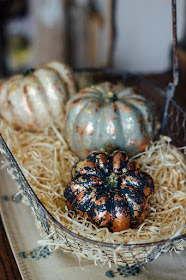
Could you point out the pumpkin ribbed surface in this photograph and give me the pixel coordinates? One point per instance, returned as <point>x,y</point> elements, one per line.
<point>109,190</point>
<point>36,98</point>
<point>108,117</point>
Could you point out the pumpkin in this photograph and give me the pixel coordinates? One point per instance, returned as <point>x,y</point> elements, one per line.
<point>108,117</point>
<point>36,98</point>
<point>109,190</point>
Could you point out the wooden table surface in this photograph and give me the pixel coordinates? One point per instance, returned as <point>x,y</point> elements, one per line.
<point>8,266</point>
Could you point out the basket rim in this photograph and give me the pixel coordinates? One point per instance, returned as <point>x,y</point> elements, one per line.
<point>124,74</point>
<point>105,244</point>
<point>48,216</point>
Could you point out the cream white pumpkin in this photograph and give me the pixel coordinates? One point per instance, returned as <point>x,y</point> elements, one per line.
<point>35,99</point>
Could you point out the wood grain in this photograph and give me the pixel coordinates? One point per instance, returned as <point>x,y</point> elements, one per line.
<point>8,266</point>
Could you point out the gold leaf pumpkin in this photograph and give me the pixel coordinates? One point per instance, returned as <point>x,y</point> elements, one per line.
<point>36,98</point>
<point>109,190</point>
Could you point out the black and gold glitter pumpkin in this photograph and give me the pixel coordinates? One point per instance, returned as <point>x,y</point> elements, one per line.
<point>109,190</point>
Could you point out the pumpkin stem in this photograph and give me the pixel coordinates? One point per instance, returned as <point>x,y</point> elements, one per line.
<point>28,72</point>
<point>112,181</point>
<point>110,96</point>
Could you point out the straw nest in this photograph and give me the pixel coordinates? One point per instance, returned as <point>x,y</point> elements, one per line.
<point>46,162</point>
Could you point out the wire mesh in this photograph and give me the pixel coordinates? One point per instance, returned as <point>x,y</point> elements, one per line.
<point>119,254</point>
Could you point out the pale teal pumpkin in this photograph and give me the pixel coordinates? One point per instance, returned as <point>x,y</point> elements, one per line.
<point>108,117</point>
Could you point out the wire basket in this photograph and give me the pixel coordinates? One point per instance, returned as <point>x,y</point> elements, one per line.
<point>119,254</point>
<point>172,122</point>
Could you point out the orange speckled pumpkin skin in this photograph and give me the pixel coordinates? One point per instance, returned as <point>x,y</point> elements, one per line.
<point>109,190</point>
<point>108,117</point>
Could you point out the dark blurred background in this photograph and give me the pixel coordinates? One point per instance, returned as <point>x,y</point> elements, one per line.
<point>79,32</point>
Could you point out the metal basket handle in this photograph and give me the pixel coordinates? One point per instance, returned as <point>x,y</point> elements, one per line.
<point>175,68</point>
<point>170,90</point>
<point>175,53</point>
